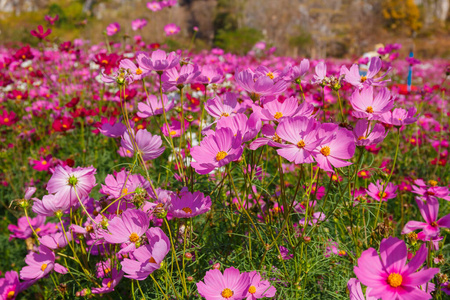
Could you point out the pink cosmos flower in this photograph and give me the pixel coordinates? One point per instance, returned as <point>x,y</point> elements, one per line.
<point>55,241</point>
<point>174,129</point>
<point>52,204</point>
<point>9,286</point>
<point>275,110</point>
<point>297,72</point>
<point>271,138</point>
<point>301,133</point>
<point>40,264</point>
<point>189,205</point>
<point>136,72</point>
<point>321,73</point>
<point>433,190</point>
<point>69,183</point>
<point>171,29</point>
<point>259,288</point>
<point>399,117</point>
<point>23,230</point>
<point>127,228</point>
<point>51,19</point>
<point>365,105</point>
<point>172,78</point>
<point>353,76</point>
<point>209,75</point>
<point>230,286</point>
<point>138,24</point>
<point>112,129</point>
<point>376,191</point>
<point>336,145</point>
<point>247,127</point>
<point>112,29</point>
<point>109,283</point>
<point>154,6</point>
<point>148,257</point>
<point>216,150</point>
<point>39,33</point>
<point>366,136</point>
<point>149,146</point>
<point>259,86</point>
<point>429,209</point>
<point>153,106</point>
<point>159,61</point>
<point>388,276</point>
<point>224,106</point>
<point>43,164</point>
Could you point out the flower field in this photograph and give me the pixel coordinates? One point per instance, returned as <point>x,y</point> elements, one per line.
<point>134,171</point>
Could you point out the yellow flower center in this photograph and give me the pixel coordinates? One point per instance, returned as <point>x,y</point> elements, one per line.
<point>138,71</point>
<point>412,140</point>
<point>109,284</point>
<point>325,151</point>
<point>361,138</point>
<point>277,139</point>
<point>301,144</point>
<point>395,280</point>
<point>224,114</point>
<point>221,155</point>
<point>270,75</point>
<point>134,237</point>
<point>140,126</point>
<point>6,120</point>
<point>342,252</point>
<point>382,195</point>
<point>173,132</point>
<point>252,289</point>
<point>43,267</point>
<point>107,270</point>
<point>334,177</point>
<point>152,260</point>
<point>277,115</point>
<point>433,182</point>
<point>18,97</point>
<point>38,229</point>
<point>10,294</point>
<point>187,210</point>
<point>363,78</point>
<point>44,162</point>
<point>434,224</point>
<point>124,191</point>
<point>369,110</point>
<point>104,62</point>
<point>227,293</point>
<point>363,173</point>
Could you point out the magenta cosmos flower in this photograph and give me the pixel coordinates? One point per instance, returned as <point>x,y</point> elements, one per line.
<point>365,105</point>
<point>123,184</point>
<point>321,73</point>
<point>69,183</point>
<point>109,283</point>
<point>23,230</point>
<point>301,133</point>
<point>376,191</point>
<point>353,77</point>
<point>39,33</point>
<point>399,117</point>
<point>138,24</point>
<point>366,136</point>
<point>336,145</point>
<point>148,258</point>
<point>171,29</point>
<point>275,110</point>
<point>297,72</point>
<point>112,28</point>
<point>388,275</point>
<point>216,150</point>
<point>159,61</point>
<point>189,205</point>
<point>52,205</point>
<point>431,190</point>
<point>134,71</point>
<point>172,78</point>
<point>248,127</point>
<point>55,241</point>
<point>9,286</point>
<point>209,75</point>
<point>231,285</point>
<point>40,264</point>
<point>224,106</point>
<point>259,86</point>
<point>355,290</point>
<point>429,209</point>
<point>127,229</point>
<point>148,145</point>
<point>259,288</point>
<point>154,6</point>
<point>154,107</point>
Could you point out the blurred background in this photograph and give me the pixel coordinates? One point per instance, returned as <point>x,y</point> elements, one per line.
<point>312,28</point>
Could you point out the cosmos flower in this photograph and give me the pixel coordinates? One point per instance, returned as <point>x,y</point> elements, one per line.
<point>430,190</point>
<point>259,288</point>
<point>112,29</point>
<point>366,105</point>
<point>259,86</point>
<point>231,285</point>
<point>224,106</point>
<point>40,264</point>
<point>365,136</point>
<point>23,231</point>
<point>399,117</point>
<point>171,29</point>
<point>159,61</point>
<point>387,274</point>
<point>216,150</point>
<point>9,286</point>
<point>39,33</point>
<point>109,282</point>
<point>153,106</point>
<point>148,145</point>
<point>429,209</point>
<point>353,76</point>
<point>138,24</point>
<point>189,205</point>
<point>376,191</point>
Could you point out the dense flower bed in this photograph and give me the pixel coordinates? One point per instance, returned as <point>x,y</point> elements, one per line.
<point>174,175</point>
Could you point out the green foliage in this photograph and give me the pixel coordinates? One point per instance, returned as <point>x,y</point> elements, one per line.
<point>401,15</point>
<point>238,41</point>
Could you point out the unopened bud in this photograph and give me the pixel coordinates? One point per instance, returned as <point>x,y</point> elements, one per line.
<point>216,266</point>
<point>307,239</point>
